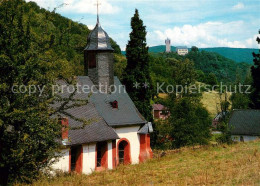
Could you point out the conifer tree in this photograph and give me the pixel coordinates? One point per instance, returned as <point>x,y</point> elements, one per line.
<point>137,77</point>
<point>255,70</point>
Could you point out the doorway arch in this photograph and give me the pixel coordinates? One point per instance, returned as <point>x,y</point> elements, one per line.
<point>123,152</point>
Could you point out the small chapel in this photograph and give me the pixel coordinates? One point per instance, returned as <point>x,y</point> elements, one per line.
<point>117,133</point>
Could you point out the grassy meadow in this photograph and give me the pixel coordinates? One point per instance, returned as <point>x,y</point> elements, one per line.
<point>210,100</point>
<point>237,164</point>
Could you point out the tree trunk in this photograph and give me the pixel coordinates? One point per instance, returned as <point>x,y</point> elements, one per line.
<point>3,176</point>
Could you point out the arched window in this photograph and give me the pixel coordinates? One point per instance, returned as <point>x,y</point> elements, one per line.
<point>123,149</point>
<point>121,152</point>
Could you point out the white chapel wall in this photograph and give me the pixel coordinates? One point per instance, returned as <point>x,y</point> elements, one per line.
<point>63,162</point>
<point>110,157</point>
<point>89,158</point>
<point>130,133</point>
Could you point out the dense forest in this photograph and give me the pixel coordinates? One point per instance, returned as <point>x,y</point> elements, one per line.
<point>211,68</point>
<point>66,38</point>
<point>236,54</point>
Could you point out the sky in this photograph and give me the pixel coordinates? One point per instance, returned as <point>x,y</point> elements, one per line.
<point>201,23</point>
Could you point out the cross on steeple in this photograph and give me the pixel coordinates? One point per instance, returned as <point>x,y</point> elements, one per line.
<point>98,10</point>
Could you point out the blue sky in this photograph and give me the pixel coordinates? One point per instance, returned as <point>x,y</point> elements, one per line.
<point>201,23</point>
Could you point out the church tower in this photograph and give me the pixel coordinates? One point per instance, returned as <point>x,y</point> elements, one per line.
<point>168,45</point>
<point>98,58</point>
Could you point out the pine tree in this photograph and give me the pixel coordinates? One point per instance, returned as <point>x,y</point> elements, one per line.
<point>137,76</point>
<point>255,70</point>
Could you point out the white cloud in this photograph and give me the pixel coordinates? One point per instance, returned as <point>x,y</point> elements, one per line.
<point>252,43</point>
<point>78,6</point>
<point>209,34</point>
<point>238,6</point>
<point>89,6</point>
<point>47,4</point>
<point>91,27</point>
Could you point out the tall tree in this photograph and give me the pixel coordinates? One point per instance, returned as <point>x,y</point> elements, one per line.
<point>28,135</point>
<point>137,74</point>
<point>190,122</point>
<point>255,70</point>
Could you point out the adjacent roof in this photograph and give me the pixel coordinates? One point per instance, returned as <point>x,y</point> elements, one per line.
<point>100,111</point>
<point>98,39</point>
<point>98,130</point>
<point>158,107</point>
<point>219,115</point>
<point>245,122</point>
<point>146,129</point>
<point>181,47</point>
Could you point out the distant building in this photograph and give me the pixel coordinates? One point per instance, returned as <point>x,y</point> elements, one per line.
<point>182,50</point>
<point>245,125</point>
<point>217,119</point>
<point>160,112</point>
<point>168,45</point>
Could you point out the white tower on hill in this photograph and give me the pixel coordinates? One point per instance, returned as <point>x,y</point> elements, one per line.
<point>168,45</point>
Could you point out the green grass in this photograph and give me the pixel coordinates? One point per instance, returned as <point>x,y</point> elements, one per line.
<point>238,164</point>
<point>210,100</point>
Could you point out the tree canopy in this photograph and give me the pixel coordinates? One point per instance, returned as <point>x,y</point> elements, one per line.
<point>34,54</point>
<point>255,70</point>
<point>137,73</point>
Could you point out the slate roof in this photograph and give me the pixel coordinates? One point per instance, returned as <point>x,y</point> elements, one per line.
<point>245,122</point>
<point>181,47</point>
<point>126,114</point>
<point>100,111</point>
<point>98,39</point>
<point>146,129</point>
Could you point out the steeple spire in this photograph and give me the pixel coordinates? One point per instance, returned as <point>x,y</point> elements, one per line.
<point>98,11</point>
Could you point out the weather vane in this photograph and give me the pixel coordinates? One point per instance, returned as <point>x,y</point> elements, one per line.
<point>98,10</point>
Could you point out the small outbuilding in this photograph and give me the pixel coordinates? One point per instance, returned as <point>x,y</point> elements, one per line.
<point>160,112</point>
<point>245,125</point>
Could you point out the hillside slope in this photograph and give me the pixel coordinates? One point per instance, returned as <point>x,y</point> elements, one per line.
<point>238,164</point>
<point>235,54</point>
<point>210,100</point>
<point>60,35</point>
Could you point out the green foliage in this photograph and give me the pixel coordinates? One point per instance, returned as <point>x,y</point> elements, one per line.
<point>115,46</point>
<point>190,122</point>
<point>163,139</point>
<point>255,70</point>
<point>235,54</point>
<point>200,76</point>
<point>171,71</point>
<point>224,69</point>
<point>194,49</point>
<point>239,101</point>
<point>211,79</point>
<point>119,65</point>
<point>138,68</point>
<point>37,47</point>
<point>225,136</point>
<point>240,98</point>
